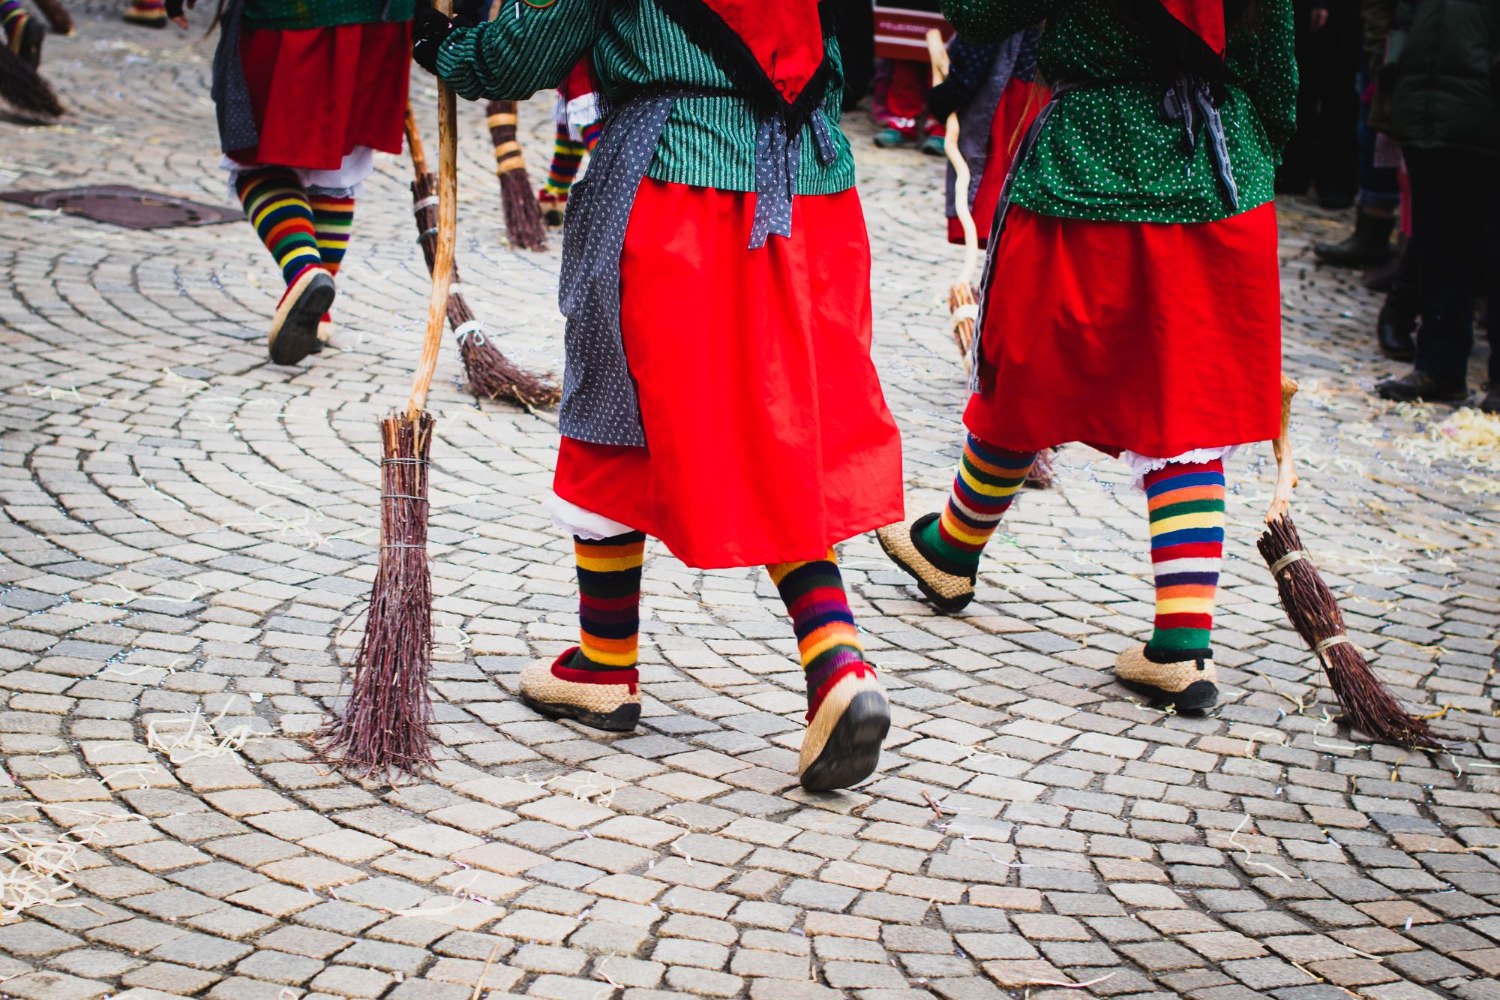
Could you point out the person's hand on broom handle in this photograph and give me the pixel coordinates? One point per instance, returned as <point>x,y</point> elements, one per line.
<point>442,264</point>
<point>1286,469</point>
<point>939,56</point>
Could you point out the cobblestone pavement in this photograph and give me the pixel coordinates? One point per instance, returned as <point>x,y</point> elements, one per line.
<point>187,539</point>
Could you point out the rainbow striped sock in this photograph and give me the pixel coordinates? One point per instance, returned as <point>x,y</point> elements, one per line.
<point>609,601</point>
<point>567,154</point>
<point>591,133</point>
<point>987,481</point>
<point>12,18</point>
<point>826,637</point>
<point>278,209</point>
<point>1186,502</point>
<point>333,221</point>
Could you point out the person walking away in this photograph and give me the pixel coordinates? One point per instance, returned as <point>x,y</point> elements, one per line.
<point>719,393</point>
<point>306,91</point>
<point>1140,206</point>
<point>1442,87</point>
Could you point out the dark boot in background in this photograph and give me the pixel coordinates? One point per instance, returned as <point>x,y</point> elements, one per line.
<point>1369,244</point>
<point>1380,279</point>
<point>1398,316</point>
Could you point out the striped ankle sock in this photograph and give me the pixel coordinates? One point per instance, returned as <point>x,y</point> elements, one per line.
<point>567,154</point>
<point>1186,502</point>
<point>333,220</point>
<point>12,18</point>
<point>278,209</point>
<point>987,481</point>
<point>609,601</point>
<point>826,637</point>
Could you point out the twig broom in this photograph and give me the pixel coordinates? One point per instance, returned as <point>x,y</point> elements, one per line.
<point>386,725</point>
<point>523,215</point>
<point>491,374</point>
<point>21,86</point>
<point>1314,612</point>
<point>963,305</point>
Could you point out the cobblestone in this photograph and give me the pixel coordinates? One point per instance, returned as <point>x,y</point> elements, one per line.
<point>189,531</point>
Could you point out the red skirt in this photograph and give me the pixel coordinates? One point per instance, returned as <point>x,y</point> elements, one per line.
<point>1020,102</point>
<point>1147,337</point>
<point>318,93</point>
<point>767,434</point>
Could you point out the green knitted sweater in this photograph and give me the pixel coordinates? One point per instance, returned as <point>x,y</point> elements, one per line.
<point>1106,152</point>
<point>707,141</point>
<point>291,15</point>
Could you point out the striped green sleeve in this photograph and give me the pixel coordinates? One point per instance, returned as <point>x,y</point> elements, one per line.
<point>514,56</point>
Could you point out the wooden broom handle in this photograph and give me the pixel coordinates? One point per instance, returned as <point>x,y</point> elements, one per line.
<point>961,175</point>
<point>414,144</point>
<point>447,237</point>
<point>1286,469</point>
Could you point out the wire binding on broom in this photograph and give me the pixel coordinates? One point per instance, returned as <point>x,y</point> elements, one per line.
<point>1314,612</point>
<point>523,216</point>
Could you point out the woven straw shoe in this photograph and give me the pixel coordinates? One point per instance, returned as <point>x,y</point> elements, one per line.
<point>559,691</point>
<point>294,328</point>
<point>842,744</point>
<point>947,591</point>
<point>1187,685</point>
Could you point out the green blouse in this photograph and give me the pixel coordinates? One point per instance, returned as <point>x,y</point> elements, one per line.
<point>707,141</point>
<point>1107,152</point>
<point>284,15</point>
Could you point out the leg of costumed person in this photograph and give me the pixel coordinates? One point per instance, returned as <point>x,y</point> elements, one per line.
<point>719,327</point>
<point>297,166</point>
<point>1102,318</point>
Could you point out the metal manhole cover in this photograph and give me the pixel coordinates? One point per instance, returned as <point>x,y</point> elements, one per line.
<point>122,205</point>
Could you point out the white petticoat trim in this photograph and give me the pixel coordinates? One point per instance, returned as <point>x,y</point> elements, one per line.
<point>1141,465</point>
<point>582,523</point>
<point>341,183</point>
<point>582,111</point>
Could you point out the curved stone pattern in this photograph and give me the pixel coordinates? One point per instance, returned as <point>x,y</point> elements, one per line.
<point>187,544</point>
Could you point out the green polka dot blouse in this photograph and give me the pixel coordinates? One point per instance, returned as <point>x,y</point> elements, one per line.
<point>1107,153</point>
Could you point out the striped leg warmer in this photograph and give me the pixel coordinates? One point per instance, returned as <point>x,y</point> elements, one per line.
<point>12,18</point>
<point>609,601</point>
<point>1186,504</point>
<point>278,208</point>
<point>987,481</point>
<point>333,221</point>
<point>567,154</point>
<point>826,637</point>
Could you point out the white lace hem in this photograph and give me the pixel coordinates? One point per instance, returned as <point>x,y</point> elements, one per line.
<point>582,523</point>
<point>1142,465</point>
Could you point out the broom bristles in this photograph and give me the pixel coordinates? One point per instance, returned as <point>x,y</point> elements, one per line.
<point>1314,612</point>
<point>24,89</point>
<point>491,374</point>
<point>57,15</point>
<point>523,216</point>
<point>385,727</point>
